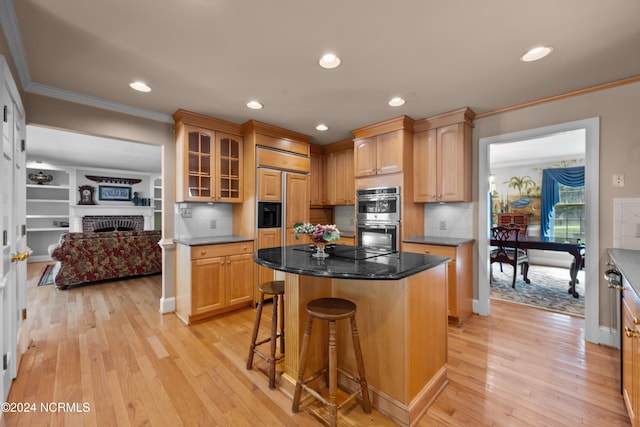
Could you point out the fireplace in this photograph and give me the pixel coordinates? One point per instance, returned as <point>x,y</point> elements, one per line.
<point>110,216</point>
<point>100,223</point>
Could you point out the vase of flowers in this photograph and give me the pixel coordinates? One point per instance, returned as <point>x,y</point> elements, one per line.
<point>320,235</point>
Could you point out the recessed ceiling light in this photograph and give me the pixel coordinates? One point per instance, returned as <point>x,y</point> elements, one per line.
<point>254,105</point>
<point>329,60</point>
<point>396,102</point>
<point>322,127</point>
<point>140,86</point>
<point>536,53</point>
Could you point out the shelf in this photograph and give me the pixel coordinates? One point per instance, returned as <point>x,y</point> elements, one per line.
<point>52,187</point>
<point>65,201</point>
<point>31,230</point>
<point>46,216</point>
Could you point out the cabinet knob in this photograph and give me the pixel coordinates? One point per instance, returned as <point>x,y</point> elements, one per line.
<point>244,247</point>
<point>426,251</point>
<point>228,262</point>
<point>203,252</point>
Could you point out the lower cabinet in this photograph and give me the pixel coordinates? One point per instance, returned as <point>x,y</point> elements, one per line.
<point>631,353</point>
<point>459,277</point>
<point>213,279</point>
<point>347,241</point>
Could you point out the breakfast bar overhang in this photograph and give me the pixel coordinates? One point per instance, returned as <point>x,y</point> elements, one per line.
<point>402,320</point>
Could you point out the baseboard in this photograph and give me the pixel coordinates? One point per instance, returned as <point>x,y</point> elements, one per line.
<point>609,337</point>
<point>167,305</point>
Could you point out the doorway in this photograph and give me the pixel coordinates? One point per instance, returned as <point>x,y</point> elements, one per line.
<point>591,131</point>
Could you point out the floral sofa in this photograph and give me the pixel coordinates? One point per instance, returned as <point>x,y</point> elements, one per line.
<point>91,257</point>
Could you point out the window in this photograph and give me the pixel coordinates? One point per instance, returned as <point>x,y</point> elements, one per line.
<point>569,214</point>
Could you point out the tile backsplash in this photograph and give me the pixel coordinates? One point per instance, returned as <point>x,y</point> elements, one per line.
<point>206,220</point>
<point>448,220</point>
<point>626,223</point>
<point>344,217</point>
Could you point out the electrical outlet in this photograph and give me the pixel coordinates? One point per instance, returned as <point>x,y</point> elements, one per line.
<point>213,224</point>
<point>443,224</point>
<point>618,180</point>
<point>185,213</point>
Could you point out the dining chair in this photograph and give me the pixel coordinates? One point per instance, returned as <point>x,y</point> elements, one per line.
<point>508,251</point>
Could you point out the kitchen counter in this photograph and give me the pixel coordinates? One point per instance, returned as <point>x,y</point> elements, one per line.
<point>341,263</point>
<point>628,262</point>
<point>199,241</point>
<point>401,301</point>
<point>441,241</point>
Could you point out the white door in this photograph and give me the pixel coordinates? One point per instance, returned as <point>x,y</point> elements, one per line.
<point>12,216</point>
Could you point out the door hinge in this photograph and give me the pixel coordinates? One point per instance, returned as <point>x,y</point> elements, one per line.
<point>24,314</point>
<point>6,114</point>
<point>5,238</point>
<point>23,145</point>
<point>5,361</point>
<point>24,229</point>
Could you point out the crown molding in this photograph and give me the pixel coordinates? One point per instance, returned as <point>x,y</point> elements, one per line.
<point>11,32</point>
<point>93,101</point>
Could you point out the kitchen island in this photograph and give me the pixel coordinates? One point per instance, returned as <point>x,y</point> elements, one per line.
<point>401,317</point>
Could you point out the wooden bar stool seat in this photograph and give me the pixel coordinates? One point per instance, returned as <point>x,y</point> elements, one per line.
<point>275,288</point>
<point>331,310</point>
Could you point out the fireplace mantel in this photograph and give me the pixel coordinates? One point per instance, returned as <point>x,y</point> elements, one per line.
<point>79,211</point>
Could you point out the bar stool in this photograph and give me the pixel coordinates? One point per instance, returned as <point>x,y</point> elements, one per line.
<point>331,309</point>
<point>275,288</point>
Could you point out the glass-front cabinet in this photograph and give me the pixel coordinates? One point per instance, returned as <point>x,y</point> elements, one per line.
<point>199,163</point>
<point>209,163</point>
<point>229,163</point>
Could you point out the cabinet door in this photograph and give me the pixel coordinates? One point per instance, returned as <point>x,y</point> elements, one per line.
<point>229,172</point>
<point>269,185</point>
<point>297,204</point>
<point>344,180</point>
<point>389,152</point>
<point>425,166</point>
<point>316,179</point>
<point>630,356</point>
<point>268,238</point>
<point>207,287</point>
<point>330,178</point>
<point>365,157</point>
<point>452,163</point>
<point>239,279</point>
<point>199,170</point>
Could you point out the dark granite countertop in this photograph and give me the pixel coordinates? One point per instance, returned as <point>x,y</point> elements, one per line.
<point>298,260</point>
<point>440,241</point>
<point>199,241</point>
<point>628,263</point>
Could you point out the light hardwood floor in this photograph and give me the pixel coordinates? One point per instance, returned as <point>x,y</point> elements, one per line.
<point>107,345</point>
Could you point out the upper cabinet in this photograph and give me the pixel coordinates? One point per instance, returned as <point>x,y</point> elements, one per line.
<point>269,185</point>
<point>442,158</point>
<point>332,178</point>
<point>209,159</point>
<point>380,149</point>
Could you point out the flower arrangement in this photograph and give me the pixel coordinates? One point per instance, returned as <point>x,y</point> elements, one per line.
<point>319,233</point>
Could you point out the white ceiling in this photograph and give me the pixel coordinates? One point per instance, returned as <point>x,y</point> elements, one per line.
<point>568,145</point>
<point>212,56</point>
<point>61,148</point>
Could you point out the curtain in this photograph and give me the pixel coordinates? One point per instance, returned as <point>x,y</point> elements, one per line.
<point>571,177</point>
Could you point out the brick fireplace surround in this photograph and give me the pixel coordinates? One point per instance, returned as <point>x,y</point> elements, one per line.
<point>112,222</point>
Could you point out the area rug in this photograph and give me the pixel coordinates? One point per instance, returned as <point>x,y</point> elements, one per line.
<point>548,289</point>
<point>47,276</point>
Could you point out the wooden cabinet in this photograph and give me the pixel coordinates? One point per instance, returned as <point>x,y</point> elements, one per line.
<point>297,204</point>
<point>631,353</point>
<point>269,185</point>
<point>209,160</point>
<point>442,158</point>
<point>379,154</point>
<point>213,279</point>
<point>267,238</point>
<point>347,241</point>
<point>344,181</point>
<point>459,277</point>
<point>316,179</point>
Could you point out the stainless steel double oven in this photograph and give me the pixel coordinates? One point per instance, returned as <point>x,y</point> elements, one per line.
<point>378,217</point>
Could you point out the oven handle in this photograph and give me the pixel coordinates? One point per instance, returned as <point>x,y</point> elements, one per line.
<point>378,226</point>
<point>377,198</point>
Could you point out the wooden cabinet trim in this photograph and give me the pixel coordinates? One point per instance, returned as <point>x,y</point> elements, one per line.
<point>282,160</point>
<point>397,123</point>
<point>223,249</point>
<point>200,120</point>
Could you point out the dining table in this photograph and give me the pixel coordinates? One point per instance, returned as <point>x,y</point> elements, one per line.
<point>576,249</point>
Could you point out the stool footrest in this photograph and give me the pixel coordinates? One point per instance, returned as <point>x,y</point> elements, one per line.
<point>266,357</point>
